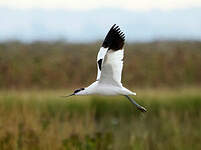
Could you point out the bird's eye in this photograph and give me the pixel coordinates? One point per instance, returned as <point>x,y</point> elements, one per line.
<point>78,90</point>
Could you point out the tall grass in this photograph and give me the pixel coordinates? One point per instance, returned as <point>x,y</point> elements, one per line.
<point>42,120</point>
<point>60,65</point>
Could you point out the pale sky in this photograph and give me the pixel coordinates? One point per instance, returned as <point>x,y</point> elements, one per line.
<point>137,5</point>
<point>89,20</point>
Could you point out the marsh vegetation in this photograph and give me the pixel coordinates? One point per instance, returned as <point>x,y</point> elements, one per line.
<point>166,75</point>
<point>38,120</point>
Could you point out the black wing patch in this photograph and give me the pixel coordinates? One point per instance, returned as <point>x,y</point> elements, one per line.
<point>100,63</point>
<point>114,39</point>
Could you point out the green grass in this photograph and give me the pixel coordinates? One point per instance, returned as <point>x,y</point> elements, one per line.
<point>42,120</point>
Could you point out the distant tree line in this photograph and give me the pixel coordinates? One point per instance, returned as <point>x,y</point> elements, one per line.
<point>64,65</point>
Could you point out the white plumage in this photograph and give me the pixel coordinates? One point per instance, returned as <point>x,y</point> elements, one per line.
<point>101,54</point>
<point>112,67</point>
<point>109,66</point>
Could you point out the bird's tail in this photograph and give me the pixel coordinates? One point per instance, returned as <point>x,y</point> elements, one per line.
<point>128,92</point>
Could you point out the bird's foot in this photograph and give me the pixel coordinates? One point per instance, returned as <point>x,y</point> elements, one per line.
<point>142,109</point>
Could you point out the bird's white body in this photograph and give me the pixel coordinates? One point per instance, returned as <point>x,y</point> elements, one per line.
<point>108,81</point>
<point>105,89</point>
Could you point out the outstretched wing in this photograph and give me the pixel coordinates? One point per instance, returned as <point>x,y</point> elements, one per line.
<point>100,58</point>
<point>112,62</point>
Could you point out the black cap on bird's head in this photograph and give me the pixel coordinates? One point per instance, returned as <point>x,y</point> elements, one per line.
<point>76,92</point>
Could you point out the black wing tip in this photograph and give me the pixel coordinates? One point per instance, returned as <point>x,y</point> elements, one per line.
<point>114,39</point>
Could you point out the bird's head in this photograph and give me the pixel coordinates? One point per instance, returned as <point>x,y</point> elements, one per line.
<point>80,91</point>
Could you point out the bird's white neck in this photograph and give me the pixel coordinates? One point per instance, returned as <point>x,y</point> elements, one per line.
<point>89,90</point>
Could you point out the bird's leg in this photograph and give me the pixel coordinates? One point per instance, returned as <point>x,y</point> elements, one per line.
<point>136,104</point>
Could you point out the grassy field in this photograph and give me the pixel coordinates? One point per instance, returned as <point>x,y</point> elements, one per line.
<point>42,120</point>
<point>64,65</point>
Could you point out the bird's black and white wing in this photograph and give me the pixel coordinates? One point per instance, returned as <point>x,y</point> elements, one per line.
<point>100,58</point>
<point>110,57</point>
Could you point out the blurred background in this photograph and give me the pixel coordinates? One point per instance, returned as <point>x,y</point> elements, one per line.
<point>48,48</point>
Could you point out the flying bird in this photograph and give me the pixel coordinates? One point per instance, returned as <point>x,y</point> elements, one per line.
<point>110,65</point>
